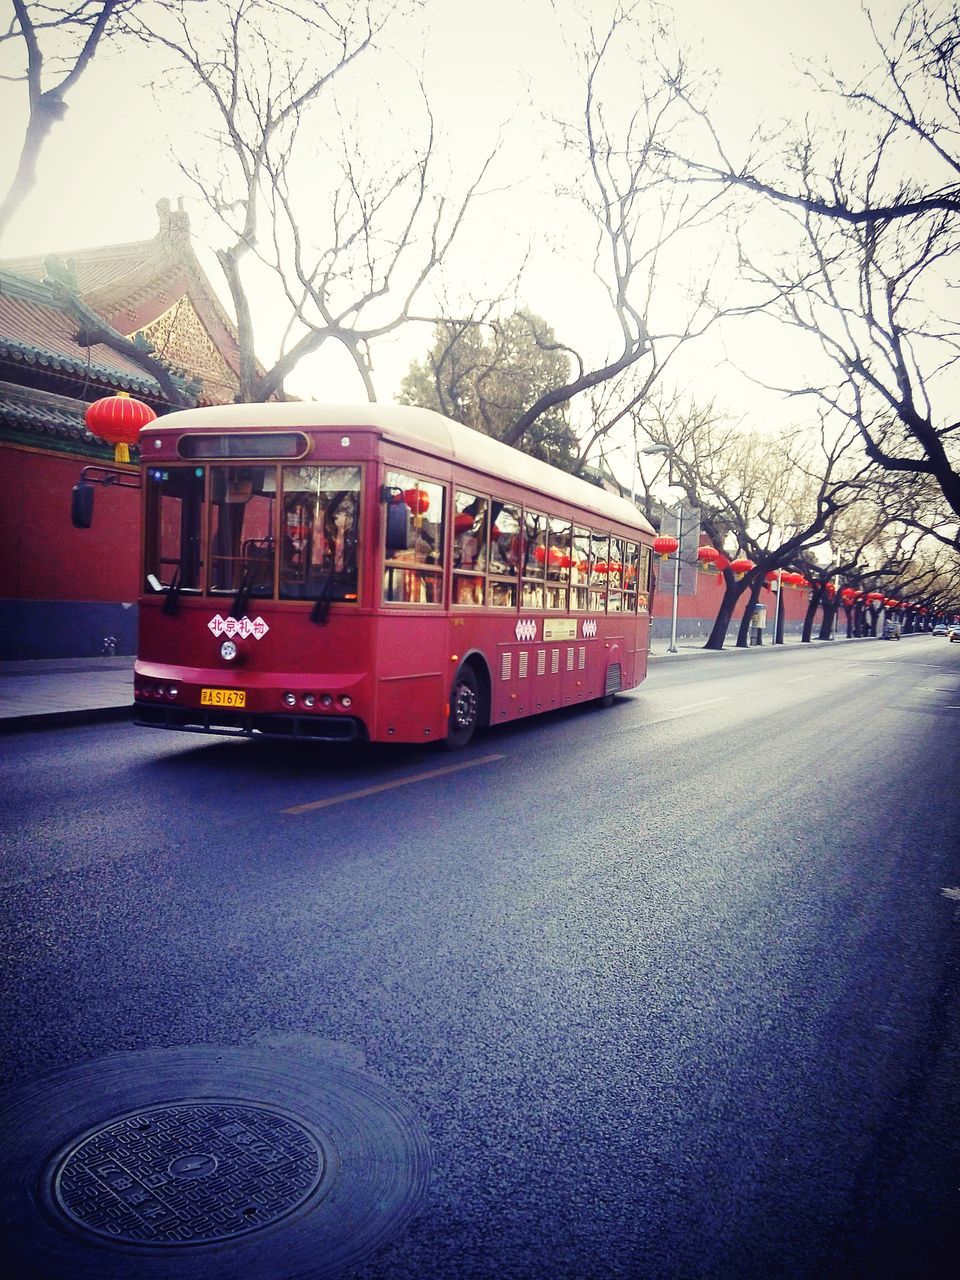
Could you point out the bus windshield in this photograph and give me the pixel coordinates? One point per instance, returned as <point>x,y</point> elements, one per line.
<point>287,532</point>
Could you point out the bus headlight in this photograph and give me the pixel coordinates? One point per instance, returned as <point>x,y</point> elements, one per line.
<point>290,699</point>
<point>228,650</point>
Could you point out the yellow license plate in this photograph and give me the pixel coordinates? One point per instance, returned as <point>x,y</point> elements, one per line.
<point>223,697</point>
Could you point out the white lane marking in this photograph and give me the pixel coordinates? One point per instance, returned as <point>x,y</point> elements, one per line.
<point>798,679</point>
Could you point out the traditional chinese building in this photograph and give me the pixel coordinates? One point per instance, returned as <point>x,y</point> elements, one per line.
<point>63,318</point>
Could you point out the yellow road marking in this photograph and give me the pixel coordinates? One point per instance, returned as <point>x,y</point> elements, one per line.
<point>389,786</point>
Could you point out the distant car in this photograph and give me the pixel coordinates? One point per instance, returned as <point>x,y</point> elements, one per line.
<point>891,631</point>
<point>955,632</point>
<point>940,629</point>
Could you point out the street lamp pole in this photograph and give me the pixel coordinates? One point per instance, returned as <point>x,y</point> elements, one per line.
<point>776,612</point>
<point>676,581</point>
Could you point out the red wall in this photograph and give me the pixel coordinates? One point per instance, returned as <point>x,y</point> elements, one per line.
<point>706,603</point>
<point>44,557</point>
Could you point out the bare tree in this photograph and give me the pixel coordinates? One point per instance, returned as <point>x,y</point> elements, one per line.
<point>72,34</point>
<point>637,215</point>
<point>340,247</point>
<point>874,212</point>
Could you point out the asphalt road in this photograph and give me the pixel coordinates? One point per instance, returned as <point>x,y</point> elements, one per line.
<point>673,987</point>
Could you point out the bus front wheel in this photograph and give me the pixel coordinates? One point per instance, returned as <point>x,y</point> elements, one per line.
<point>464,709</point>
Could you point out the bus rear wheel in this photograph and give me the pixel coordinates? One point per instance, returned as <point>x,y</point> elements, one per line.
<point>464,709</point>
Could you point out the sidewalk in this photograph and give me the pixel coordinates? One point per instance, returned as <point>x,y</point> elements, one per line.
<point>60,691</point>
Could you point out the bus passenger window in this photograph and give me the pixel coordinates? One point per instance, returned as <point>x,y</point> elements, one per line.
<point>505,553</point>
<point>599,569</point>
<point>644,578</point>
<point>629,577</point>
<point>534,560</point>
<point>319,533</point>
<point>559,563</point>
<point>615,576</point>
<point>579,571</point>
<point>469,548</point>
<point>415,576</point>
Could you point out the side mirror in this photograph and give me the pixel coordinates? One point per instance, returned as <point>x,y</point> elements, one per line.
<point>81,505</point>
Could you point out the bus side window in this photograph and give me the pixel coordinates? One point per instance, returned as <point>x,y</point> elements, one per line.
<point>559,563</point>
<point>506,547</point>
<point>579,571</point>
<point>630,577</point>
<point>534,559</point>
<point>415,575</point>
<point>615,576</point>
<point>645,578</point>
<point>470,524</point>
<point>599,569</point>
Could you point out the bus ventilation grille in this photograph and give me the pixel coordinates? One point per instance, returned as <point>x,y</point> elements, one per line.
<point>614,678</point>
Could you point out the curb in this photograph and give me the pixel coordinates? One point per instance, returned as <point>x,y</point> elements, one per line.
<point>61,719</point>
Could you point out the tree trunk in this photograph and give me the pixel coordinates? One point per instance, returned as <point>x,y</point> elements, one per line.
<point>827,620</point>
<point>812,606</point>
<point>743,635</point>
<point>41,122</point>
<point>721,625</point>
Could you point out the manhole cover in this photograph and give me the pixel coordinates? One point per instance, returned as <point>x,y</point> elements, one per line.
<point>205,1163</point>
<point>187,1172</point>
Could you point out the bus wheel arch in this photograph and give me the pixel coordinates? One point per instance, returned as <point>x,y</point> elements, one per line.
<point>469,702</point>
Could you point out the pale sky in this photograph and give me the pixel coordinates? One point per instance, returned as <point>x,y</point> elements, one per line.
<point>496,66</point>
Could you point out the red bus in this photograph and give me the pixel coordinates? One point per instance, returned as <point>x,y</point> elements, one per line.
<point>375,573</point>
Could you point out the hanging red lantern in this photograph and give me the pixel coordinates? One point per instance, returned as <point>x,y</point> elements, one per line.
<point>742,566</point>
<point>118,420</point>
<point>708,558</point>
<point>664,547</point>
<point>418,500</point>
<point>462,521</point>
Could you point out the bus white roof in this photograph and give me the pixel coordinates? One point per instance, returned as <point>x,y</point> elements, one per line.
<point>413,426</point>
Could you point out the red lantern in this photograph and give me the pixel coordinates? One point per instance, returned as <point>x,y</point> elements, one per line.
<point>665,547</point>
<point>462,521</point>
<point>708,558</point>
<point>418,500</point>
<point>742,566</point>
<point>118,420</point>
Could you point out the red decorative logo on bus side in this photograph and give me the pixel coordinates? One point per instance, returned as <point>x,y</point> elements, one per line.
<point>242,627</point>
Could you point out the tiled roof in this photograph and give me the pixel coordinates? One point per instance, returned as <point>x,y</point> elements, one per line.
<point>51,420</point>
<point>130,285</point>
<point>38,329</point>
<point>95,268</point>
